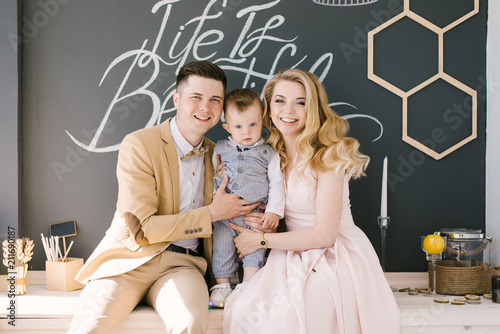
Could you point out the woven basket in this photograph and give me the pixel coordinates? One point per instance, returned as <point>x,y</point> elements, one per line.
<point>461,277</point>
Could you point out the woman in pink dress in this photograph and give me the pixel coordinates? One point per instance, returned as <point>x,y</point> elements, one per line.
<point>322,275</point>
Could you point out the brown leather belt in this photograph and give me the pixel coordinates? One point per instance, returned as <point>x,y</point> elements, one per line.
<point>182,250</point>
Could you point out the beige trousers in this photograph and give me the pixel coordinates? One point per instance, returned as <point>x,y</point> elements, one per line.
<point>172,283</point>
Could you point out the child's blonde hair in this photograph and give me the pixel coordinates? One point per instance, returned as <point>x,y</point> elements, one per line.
<point>323,144</point>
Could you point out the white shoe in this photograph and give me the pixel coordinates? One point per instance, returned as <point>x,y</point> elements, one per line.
<point>219,294</point>
<point>239,286</point>
<point>236,288</point>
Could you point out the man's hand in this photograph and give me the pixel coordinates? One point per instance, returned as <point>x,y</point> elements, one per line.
<point>226,206</point>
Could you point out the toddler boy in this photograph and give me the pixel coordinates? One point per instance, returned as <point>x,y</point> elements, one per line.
<point>253,168</point>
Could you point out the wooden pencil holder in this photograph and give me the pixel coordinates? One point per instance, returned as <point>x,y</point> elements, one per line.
<point>60,276</point>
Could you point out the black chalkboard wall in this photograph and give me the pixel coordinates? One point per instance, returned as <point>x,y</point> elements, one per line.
<point>94,71</point>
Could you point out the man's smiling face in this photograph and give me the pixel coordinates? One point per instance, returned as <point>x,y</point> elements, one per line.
<point>199,103</point>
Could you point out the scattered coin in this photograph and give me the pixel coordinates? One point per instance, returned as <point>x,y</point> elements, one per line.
<point>441,300</point>
<point>488,296</point>
<point>473,301</point>
<point>472,297</point>
<point>457,303</point>
<point>460,299</point>
<point>404,289</point>
<point>413,293</point>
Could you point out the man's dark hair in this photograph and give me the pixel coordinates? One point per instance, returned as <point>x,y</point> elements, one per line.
<point>203,69</point>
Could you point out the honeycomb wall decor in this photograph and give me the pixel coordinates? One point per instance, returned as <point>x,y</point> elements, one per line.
<point>342,3</point>
<point>406,94</point>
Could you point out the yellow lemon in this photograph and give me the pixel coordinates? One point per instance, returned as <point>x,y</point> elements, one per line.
<point>433,244</point>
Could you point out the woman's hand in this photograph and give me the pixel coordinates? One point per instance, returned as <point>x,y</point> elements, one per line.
<point>247,242</point>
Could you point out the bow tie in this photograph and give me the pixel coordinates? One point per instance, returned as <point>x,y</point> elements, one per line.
<point>195,152</point>
<point>241,150</point>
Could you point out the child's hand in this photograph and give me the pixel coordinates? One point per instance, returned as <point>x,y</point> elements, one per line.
<point>220,167</point>
<point>270,220</point>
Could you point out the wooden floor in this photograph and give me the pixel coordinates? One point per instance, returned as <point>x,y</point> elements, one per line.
<point>49,312</point>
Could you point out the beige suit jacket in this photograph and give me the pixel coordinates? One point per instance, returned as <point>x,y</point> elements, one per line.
<point>147,217</point>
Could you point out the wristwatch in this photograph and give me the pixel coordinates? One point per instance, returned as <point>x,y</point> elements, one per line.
<point>263,242</point>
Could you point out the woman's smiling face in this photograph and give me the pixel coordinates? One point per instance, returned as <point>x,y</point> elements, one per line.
<point>288,111</point>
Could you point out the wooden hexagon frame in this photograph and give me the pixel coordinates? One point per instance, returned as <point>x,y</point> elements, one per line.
<point>440,75</point>
<point>452,81</point>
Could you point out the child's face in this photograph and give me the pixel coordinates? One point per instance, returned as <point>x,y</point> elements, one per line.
<point>245,127</point>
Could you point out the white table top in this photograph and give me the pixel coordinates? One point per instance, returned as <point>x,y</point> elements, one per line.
<point>419,312</point>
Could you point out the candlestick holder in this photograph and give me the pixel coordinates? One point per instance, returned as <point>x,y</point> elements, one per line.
<point>383,222</point>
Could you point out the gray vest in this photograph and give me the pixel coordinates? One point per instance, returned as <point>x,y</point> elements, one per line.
<point>247,170</point>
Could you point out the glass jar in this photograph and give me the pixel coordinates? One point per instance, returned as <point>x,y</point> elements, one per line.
<point>466,247</point>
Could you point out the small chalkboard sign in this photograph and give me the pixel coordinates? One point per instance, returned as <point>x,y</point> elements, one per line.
<point>63,229</point>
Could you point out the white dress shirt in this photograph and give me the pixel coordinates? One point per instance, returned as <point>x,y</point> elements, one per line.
<point>191,180</point>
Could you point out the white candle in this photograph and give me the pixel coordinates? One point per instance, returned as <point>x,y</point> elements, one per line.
<point>383,203</point>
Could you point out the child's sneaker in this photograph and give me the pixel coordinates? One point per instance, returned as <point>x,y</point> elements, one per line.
<point>219,294</point>
<point>239,286</point>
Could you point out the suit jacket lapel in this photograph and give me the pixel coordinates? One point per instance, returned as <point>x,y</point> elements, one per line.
<point>172,161</point>
<point>209,172</point>
<point>171,155</point>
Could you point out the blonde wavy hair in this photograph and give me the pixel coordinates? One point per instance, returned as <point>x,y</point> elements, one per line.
<point>323,145</point>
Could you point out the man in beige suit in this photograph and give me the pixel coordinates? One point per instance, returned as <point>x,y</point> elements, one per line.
<point>159,241</point>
